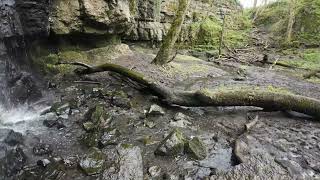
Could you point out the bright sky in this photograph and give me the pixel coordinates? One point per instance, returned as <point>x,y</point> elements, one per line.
<point>249,3</point>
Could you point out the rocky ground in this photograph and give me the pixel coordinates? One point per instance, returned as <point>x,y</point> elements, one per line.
<point>99,127</point>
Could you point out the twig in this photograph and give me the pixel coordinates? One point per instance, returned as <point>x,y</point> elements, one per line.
<point>274,63</point>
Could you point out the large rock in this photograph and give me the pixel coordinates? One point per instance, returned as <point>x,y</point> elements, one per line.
<point>196,149</point>
<point>127,164</point>
<point>12,163</point>
<point>14,138</point>
<point>172,145</point>
<point>93,162</point>
<point>91,17</point>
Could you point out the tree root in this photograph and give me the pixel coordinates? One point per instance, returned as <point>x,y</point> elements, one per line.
<point>250,96</point>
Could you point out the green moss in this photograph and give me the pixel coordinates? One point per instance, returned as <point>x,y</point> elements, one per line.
<point>309,59</point>
<point>274,18</point>
<point>205,34</point>
<point>133,7</point>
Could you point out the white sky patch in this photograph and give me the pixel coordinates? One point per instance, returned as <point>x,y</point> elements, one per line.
<point>249,3</point>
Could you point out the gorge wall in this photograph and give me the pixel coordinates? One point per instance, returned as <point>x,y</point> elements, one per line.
<point>142,20</point>
<point>21,21</point>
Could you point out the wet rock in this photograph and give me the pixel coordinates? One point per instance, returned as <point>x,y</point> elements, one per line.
<point>128,164</point>
<point>149,124</point>
<point>154,171</point>
<point>70,162</point>
<point>49,123</point>
<point>147,140</point>
<point>88,126</point>
<point>172,145</point>
<point>43,162</point>
<point>196,148</point>
<point>180,123</point>
<point>181,117</point>
<point>52,85</point>
<point>92,163</point>
<point>60,108</point>
<point>23,88</point>
<point>60,124</point>
<point>156,110</point>
<point>122,100</point>
<point>42,149</point>
<point>54,170</point>
<point>54,123</point>
<point>110,138</point>
<point>14,138</point>
<point>97,114</point>
<point>12,163</point>
<point>91,139</point>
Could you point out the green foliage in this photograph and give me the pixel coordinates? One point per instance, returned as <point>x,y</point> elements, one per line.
<point>306,29</point>
<point>205,34</point>
<point>310,59</point>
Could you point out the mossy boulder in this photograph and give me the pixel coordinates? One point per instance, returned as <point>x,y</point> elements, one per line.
<point>97,114</point>
<point>91,139</point>
<point>93,162</point>
<point>88,126</point>
<point>172,145</point>
<point>196,149</point>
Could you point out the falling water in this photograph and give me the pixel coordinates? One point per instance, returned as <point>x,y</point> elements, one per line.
<point>23,117</point>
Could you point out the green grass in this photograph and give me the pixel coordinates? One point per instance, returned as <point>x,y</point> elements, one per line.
<point>309,59</point>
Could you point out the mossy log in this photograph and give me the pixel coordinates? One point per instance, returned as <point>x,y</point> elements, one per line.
<point>249,96</point>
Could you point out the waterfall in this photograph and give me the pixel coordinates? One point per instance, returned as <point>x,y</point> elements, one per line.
<point>16,86</point>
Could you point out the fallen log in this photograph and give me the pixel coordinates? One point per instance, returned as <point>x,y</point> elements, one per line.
<point>234,96</point>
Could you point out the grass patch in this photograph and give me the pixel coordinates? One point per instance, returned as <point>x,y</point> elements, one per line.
<point>309,59</point>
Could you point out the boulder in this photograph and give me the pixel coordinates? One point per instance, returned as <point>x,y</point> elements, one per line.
<point>196,149</point>
<point>14,138</point>
<point>155,110</point>
<point>12,163</point>
<point>154,171</point>
<point>91,139</point>
<point>172,145</point>
<point>92,163</point>
<point>42,149</point>
<point>127,164</point>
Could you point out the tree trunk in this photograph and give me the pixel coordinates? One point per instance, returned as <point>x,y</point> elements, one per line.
<point>164,53</point>
<point>291,20</point>
<point>222,33</point>
<point>250,96</point>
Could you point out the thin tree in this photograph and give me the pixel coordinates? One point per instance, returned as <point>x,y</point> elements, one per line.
<point>291,19</point>
<point>165,51</point>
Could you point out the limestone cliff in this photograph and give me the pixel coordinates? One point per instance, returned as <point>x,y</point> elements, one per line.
<point>142,20</point>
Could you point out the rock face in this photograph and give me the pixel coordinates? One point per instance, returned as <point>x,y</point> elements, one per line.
<point>20,20</point>
<point>142,20</point>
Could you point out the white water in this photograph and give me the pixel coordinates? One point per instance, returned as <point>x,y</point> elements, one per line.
<point>22,119</point>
